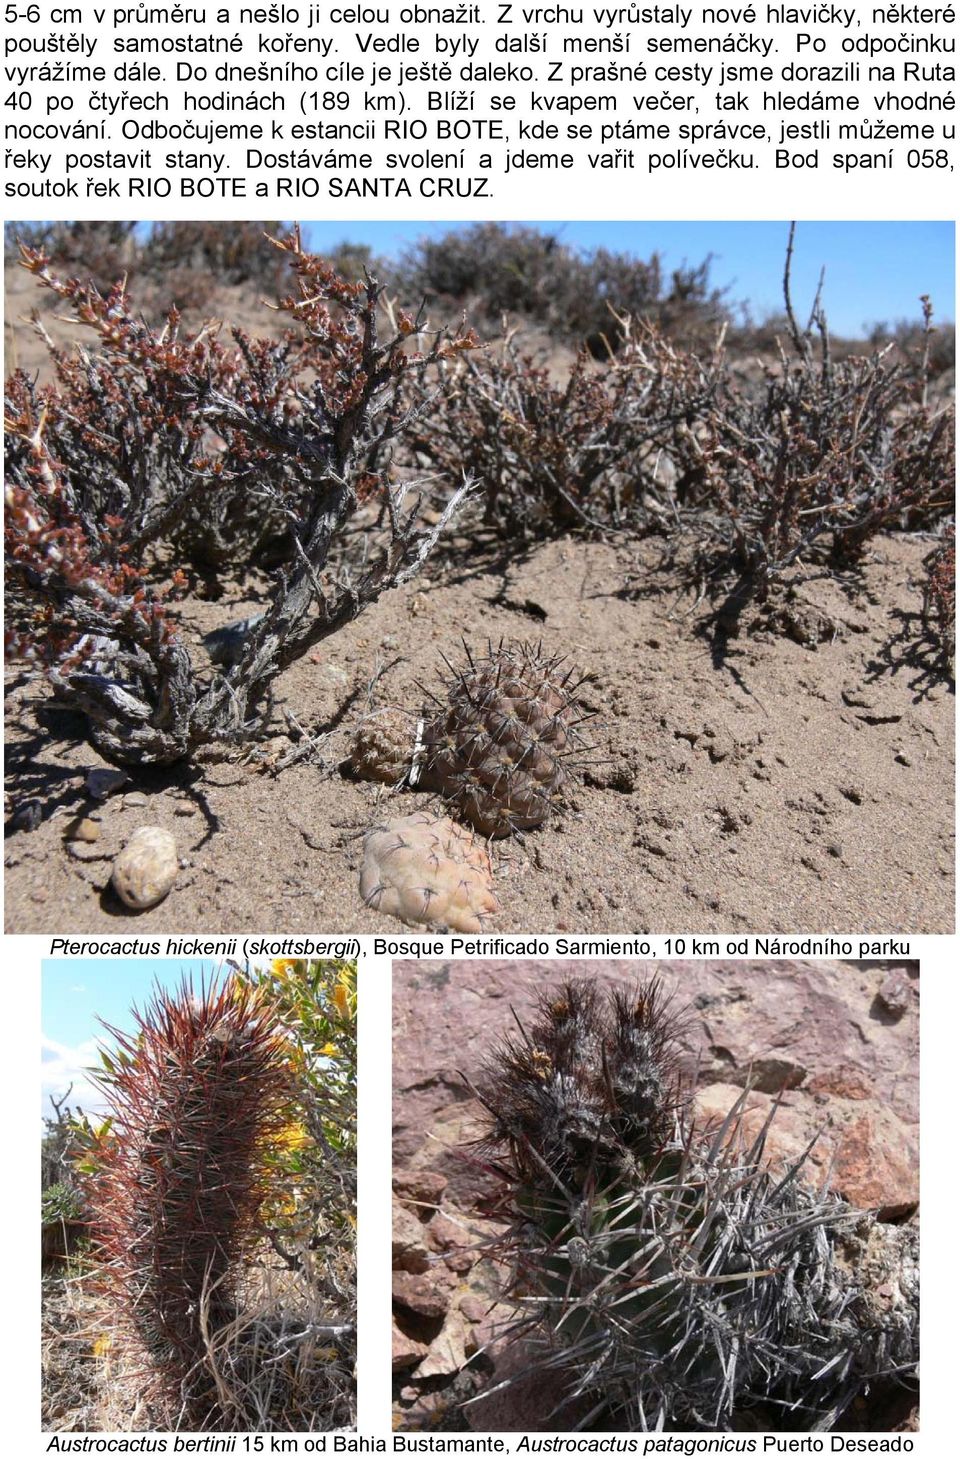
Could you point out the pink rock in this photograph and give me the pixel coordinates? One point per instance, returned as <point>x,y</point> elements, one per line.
<point>473,1308</point>
<point>422,1189</point>
<point>448,1351</point>
<point>422,1294</point>
<point>870,1168</point>
<point>895,993</point>
<point>848,1084</point>
<point>410,1253</point>
<point>407,1352</point>
<point>442,1233</point>
<point>788,1136</point>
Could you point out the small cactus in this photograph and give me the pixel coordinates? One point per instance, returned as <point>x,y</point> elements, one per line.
<point>194,1095</point>
<point>672,1279</point>
<point>502,747</point>
<point>429,871</point>
<point>383,746</point>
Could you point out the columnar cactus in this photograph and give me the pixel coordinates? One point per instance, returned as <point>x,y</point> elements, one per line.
<point>673,1279</point>
<point>195,1095</point>
<point>502,747</point>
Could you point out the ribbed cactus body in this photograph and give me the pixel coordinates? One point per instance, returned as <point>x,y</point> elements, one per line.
<point>502,748</point>
<point>674,1280</point>
<point>383,746</point>
<point>195,1094</point>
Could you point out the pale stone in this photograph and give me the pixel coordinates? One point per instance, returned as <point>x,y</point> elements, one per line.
<point>146,868</point>
<point>84,829</point>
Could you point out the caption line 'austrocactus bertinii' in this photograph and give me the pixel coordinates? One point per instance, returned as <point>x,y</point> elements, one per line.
<point>664,1275</point>
<point>195,1094</point>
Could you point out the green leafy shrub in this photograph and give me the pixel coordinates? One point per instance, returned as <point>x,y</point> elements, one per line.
<point>61,1202</point>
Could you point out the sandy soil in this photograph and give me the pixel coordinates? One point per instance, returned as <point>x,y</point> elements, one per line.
<point>749,782</point>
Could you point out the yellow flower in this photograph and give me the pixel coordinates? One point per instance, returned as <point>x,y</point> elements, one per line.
<point>283,1206</point>
<point>102,1345</point>
<point>330,1050</point>
<point>292,1137</point>
<point>341,999</point>
<point>282,965</point>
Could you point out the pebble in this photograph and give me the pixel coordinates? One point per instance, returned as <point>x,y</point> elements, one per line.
<point>100,782</point>
<point>146,868</point>
<point>84,829</point>
<point>28,815</point>
<point>894,993</point>
<point>133,800</point>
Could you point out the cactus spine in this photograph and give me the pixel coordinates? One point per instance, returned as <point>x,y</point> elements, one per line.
<point>667,1275</point>
<point>195,1093</point>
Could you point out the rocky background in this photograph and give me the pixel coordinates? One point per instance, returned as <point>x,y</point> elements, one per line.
<point>837,1041</point>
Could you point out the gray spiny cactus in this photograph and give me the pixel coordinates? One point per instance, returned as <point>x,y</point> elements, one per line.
<point>666,1275</point>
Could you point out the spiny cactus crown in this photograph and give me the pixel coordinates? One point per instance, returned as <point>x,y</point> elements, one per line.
<point>502,748</point>
<point>586,1083</point>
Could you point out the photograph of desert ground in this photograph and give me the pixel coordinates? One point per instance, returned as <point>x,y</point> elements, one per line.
<point>631,1196</point>
<point>588,598</point>
<point>198,1196</point>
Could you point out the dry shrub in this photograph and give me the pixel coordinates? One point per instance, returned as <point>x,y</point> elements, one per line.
<point>182,261</point>
<point>233,253</point>
<point>823,458</point>
<point>579,453</point>
<point>103,250</point>
<point>524,271</point>
<point>357,260</point>
<point>933,350</point>
<point>154,438</point>
<point>818,459</point>
<point>940,594</point>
